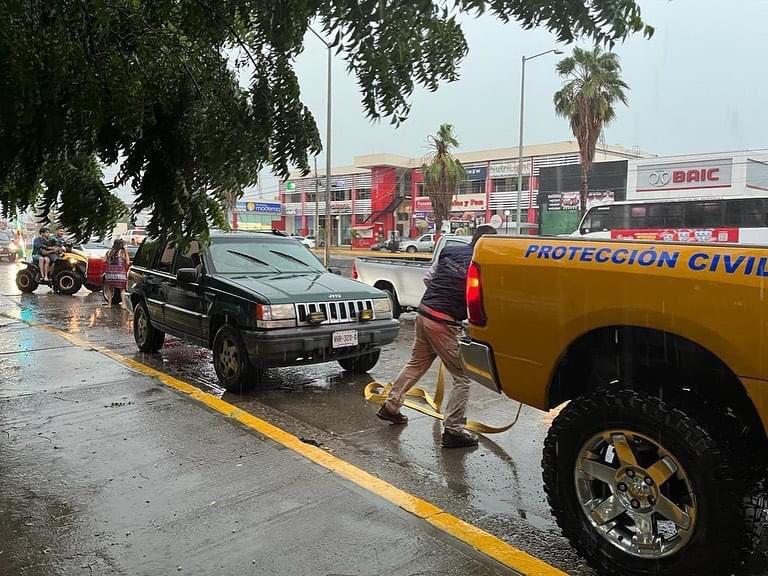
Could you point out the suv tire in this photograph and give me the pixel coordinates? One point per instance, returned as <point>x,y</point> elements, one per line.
<point>361,364</point>
<point>411,249</point>
<point>703,467</point>
<point>148,338</point>
<point>233,367</point>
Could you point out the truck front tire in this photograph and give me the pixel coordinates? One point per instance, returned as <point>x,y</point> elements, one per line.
<point>641,488</point>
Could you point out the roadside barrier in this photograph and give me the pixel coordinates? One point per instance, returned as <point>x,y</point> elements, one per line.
<point>376,393</point>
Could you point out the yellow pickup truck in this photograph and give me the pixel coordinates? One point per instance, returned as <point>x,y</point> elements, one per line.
<point>655,357</point>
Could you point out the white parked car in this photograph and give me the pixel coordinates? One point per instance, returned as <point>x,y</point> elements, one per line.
<point>308,241</point>
<point>424,243</point>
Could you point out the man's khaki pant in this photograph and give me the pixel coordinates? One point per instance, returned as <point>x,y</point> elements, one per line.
<point>434,339</point>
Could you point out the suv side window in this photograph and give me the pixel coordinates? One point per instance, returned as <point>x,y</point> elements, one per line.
<point>146,253</point>
<point>190,258</point>
<point>166,258</point>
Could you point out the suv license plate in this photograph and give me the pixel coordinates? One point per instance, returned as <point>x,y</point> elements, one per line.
<point>345,339</point>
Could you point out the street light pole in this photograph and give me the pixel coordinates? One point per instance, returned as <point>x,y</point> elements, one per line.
<point>328,224</point>
<point>519,212</point>
<point>317,207</point>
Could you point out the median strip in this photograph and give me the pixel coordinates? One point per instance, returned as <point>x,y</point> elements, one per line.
<point>475,537</point>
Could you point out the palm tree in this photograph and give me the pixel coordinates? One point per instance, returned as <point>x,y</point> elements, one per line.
<point>591,89</point>
<point>442,173</point>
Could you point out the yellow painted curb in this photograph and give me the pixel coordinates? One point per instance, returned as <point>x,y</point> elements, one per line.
<point>475,537</point>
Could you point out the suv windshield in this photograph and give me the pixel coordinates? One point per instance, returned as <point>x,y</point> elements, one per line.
<point>249,255</point>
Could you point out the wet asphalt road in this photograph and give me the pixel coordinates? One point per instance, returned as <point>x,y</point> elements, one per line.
<point>496,486</point>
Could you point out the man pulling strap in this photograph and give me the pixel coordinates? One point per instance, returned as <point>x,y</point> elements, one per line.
<point>438,327</point>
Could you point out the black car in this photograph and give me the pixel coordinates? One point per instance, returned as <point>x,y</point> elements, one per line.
<point>257,301</point>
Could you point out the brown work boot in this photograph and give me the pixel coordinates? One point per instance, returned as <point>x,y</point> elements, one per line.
<point>395,417</point>
<point>463,439</point>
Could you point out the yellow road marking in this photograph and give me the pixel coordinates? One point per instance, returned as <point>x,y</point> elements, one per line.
<point>477,538</point>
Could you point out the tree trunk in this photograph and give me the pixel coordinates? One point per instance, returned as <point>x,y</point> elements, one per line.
<point>584,187</point>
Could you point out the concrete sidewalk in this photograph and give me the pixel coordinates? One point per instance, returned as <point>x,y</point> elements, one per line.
<point>106,471</point>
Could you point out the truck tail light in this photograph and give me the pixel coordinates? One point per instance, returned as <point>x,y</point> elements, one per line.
<point>354,271</point>
<point>475,311</point>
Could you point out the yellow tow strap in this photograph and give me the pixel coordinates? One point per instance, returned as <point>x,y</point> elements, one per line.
<point>376,392</point>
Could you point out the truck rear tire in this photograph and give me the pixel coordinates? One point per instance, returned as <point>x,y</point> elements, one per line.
<point>641,488</point>
<point>361,364</point>
<point>411,249</point>
<point>233,367</point>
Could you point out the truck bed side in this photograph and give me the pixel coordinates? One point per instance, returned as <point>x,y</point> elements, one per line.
<point>541,295</point>
<point>405,277</point>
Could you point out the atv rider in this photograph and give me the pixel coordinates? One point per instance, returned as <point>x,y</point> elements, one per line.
<point>44,251</point>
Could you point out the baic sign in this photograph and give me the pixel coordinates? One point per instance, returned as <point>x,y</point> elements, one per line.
<point>684,176</point>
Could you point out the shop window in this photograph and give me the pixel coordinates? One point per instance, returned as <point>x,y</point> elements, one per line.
<point>339,195</point>
<point>293,197</point>
<point>255,221</point>
<point>363,194</point>
<point>509,184</point>
<point>472,187</point>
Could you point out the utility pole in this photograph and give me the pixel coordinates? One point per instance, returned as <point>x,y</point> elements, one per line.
<point>317,207</point>
<point>519,212</point>
<point>328,223</point>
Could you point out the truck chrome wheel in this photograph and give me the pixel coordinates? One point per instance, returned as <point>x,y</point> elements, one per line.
<point>227,358</point>
<point>635,494</point>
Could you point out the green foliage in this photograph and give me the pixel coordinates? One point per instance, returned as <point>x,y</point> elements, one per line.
<point>192,98</point>
<point>442,174</point>
<point>591,90</point>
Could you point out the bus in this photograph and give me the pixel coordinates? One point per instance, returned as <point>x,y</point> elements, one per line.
<point>733,220</point>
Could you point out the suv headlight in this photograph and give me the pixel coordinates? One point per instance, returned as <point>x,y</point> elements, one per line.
<point>275,316</point>
<point>382,307</point>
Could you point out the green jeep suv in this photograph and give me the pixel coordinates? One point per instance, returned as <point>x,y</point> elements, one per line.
<point>257,301</point>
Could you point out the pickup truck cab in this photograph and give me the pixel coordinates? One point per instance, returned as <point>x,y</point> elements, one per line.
<point>657,464</point>
<point>400,278</point>
<point>257,301</point>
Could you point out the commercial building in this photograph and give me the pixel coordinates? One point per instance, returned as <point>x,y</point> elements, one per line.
<point>713,175</point>
<point>381,193</point>
<point>699,175</point>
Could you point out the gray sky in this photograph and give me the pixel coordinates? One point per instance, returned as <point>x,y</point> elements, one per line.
<point>698,85</point>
